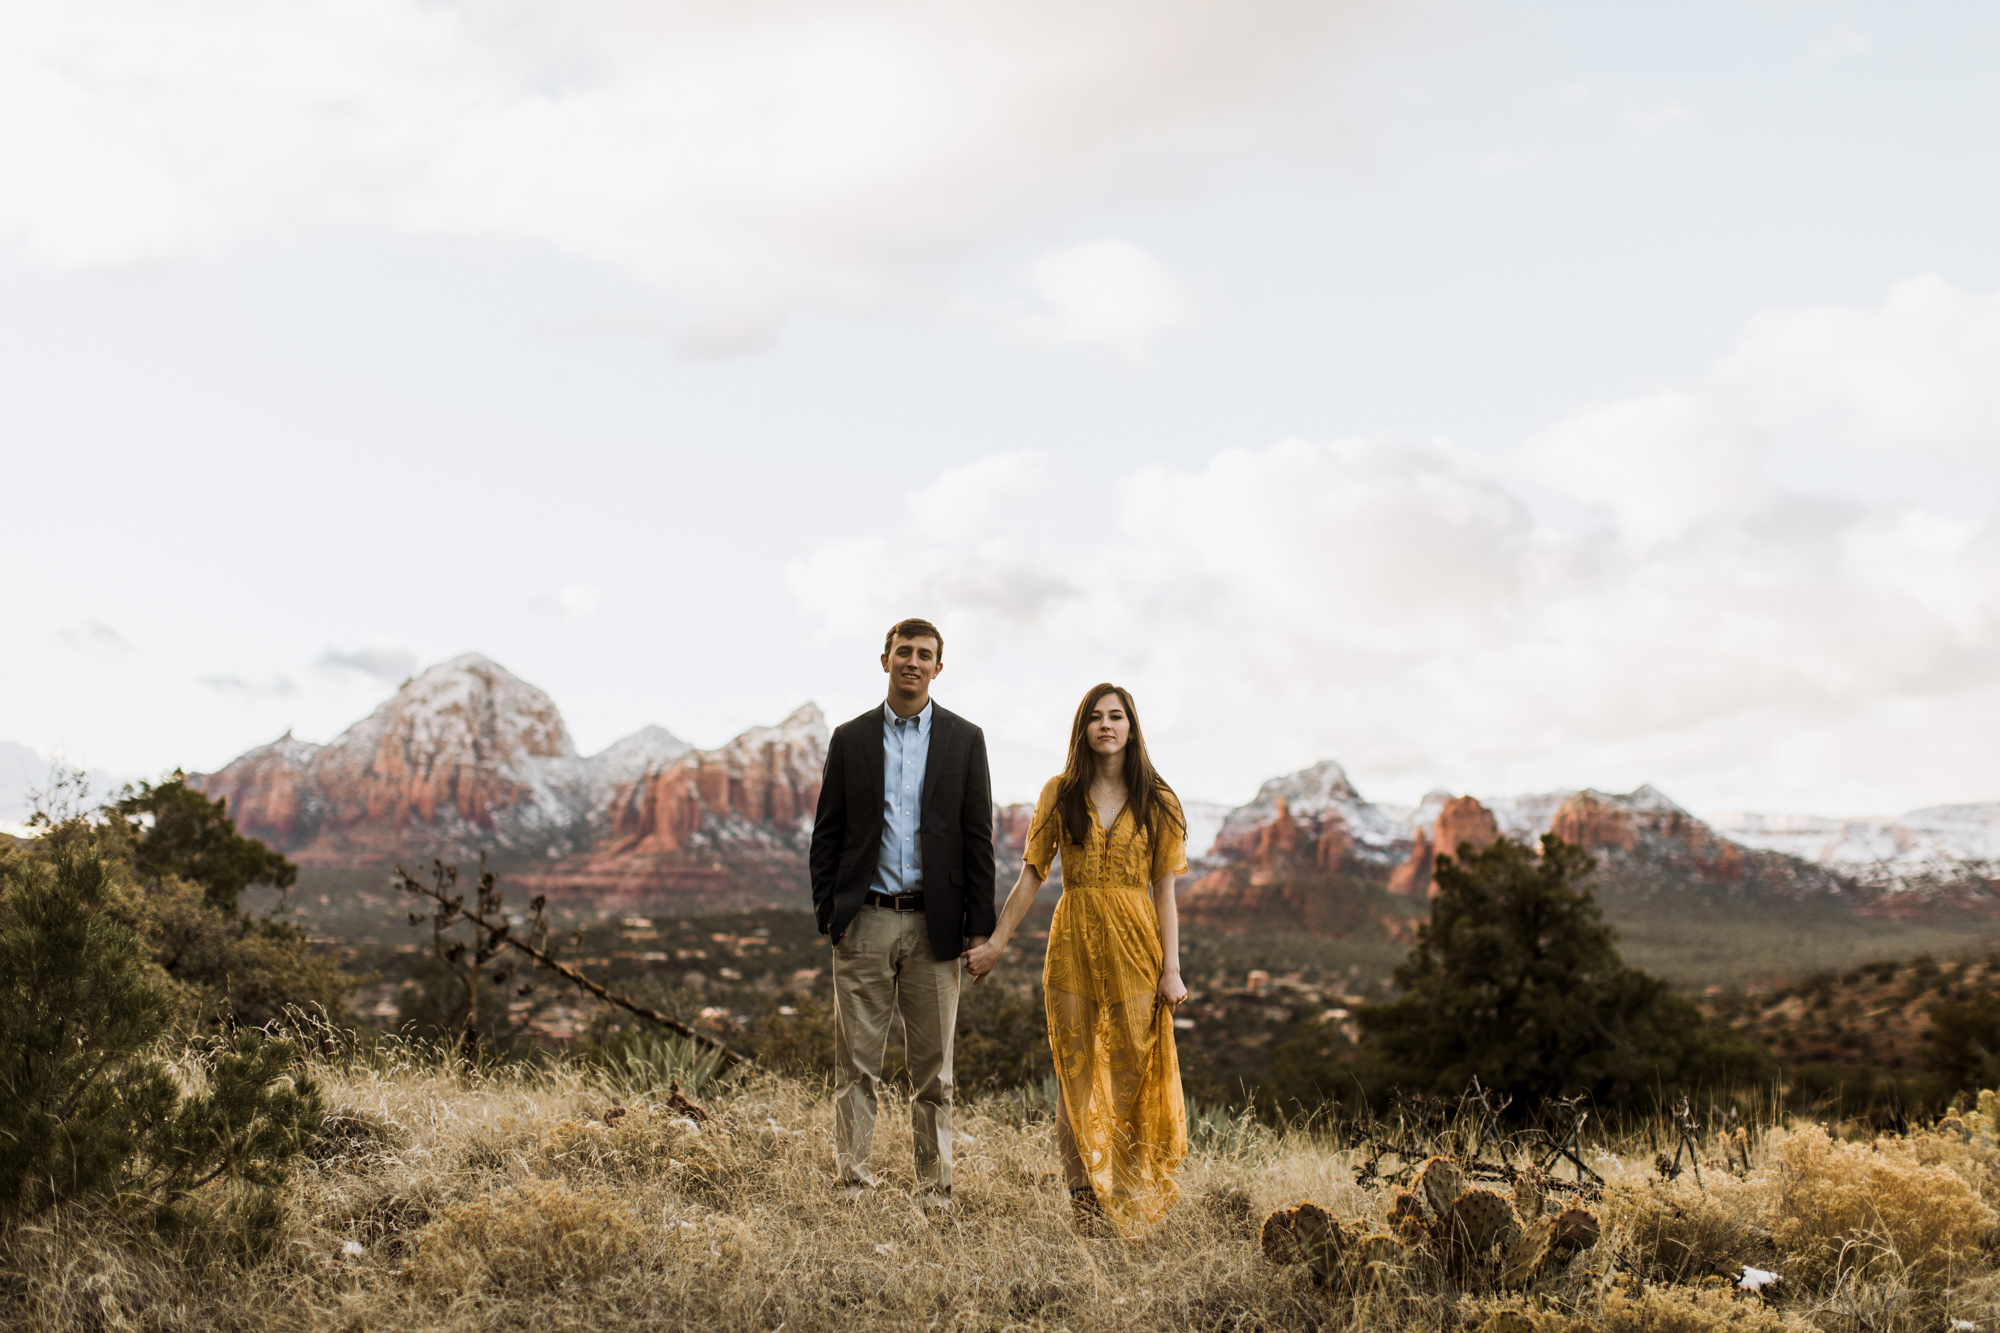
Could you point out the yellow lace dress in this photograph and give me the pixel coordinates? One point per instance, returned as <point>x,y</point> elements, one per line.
<point>1113,1041</point>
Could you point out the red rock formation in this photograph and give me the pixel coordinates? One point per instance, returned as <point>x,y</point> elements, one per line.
<point>269,792</point>
<point>1462,820</point>
<point>766,783</point>
<point>1413,878</point>
<point>1593,823</point>
<point>1278,875</point>
<point>1651,824</point>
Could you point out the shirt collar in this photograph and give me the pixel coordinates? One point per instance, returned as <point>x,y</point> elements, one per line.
<point>923,718</point>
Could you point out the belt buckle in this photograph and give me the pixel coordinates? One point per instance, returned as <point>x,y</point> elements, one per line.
<point>904,903</point>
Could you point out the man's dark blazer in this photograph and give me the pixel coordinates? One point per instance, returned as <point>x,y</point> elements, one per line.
<point>956,830</point>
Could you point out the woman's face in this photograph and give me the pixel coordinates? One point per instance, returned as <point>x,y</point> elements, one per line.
<point>1108,726</point>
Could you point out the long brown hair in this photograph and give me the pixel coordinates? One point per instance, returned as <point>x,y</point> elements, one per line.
<point>1143,787</point>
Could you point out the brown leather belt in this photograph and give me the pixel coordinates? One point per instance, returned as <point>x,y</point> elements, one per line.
<point>901,902</point>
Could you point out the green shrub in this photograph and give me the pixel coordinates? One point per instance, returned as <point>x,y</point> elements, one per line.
<point>87,1107</point>
<point>1516,980</point>
<point>80,1004</point>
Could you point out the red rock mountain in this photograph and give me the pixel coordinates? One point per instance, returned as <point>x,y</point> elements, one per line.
<point>1462,820</point>
<point>465,756</point>
<point>468,758</point>
<point>1296,858</point>
<point>1274,867</point>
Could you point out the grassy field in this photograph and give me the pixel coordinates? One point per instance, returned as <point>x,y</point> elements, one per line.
<point>442,1200</point>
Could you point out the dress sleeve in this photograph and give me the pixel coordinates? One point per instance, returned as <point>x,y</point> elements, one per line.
<point>1170,848</point>
<point>1040,852</point>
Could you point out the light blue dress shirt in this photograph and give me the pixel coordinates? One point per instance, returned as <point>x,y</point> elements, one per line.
<point>906,749</point>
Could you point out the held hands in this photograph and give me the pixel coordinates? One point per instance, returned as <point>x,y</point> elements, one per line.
<point>980,958</point>
<point>1171,990</point>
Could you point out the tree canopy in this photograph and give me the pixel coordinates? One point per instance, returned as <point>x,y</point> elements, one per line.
<point>1516,981</point>
<point>181,832</point>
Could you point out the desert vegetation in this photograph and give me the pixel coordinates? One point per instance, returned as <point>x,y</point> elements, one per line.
<point>195,1134</point>
<point>646,1192</point>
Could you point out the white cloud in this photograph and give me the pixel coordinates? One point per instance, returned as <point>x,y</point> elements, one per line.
<point>1106,295</point>
<point>1922,372</point>
<point>381,659</point>
<point>1403,608</point>
<point>97,639</point>
<point>749,156</point>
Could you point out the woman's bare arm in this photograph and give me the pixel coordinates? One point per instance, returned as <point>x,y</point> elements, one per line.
<point>981,957</point>
<point>1172,989</point>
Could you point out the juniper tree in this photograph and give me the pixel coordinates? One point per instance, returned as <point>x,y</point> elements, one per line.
<point>80,1004</point>
<point>179,831</point>
<point>87,1107</point>
<point>1516,980</point>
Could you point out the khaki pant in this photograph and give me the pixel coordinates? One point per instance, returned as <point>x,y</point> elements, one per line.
<point>883,963</point>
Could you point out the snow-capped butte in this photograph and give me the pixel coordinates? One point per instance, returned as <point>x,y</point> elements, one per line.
<point>1380,833</point>
<point>1940,847</point>
<point>465,757</point>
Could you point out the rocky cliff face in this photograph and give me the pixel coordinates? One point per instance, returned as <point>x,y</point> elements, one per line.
<point>1646,844</point>
<point>1944,851</point>
<point>1301,854</point>
<point>1316,803</point>
<point>465,756</point>
<point>1276,866</point>
<point>468,758</point>
<point>1459,820</point>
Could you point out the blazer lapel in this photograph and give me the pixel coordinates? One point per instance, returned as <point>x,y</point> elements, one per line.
<point>871,767</point>
<point>943,725</point>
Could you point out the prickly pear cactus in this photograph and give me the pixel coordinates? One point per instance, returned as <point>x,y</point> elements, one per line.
<point>1279,1236</point>
<point>1476,1221</point>
<point>1527,1255</point>
<point>1439,1183</point>
<point>1377,1252</point>
<point>1408,1220</point>
<point>1576,1229</point>
<point>1307,1232</point>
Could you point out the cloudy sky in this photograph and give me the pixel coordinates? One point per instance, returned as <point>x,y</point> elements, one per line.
<point>1491,397</point>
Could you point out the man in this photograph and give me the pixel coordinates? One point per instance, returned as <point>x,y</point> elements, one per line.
<point>902,881</point>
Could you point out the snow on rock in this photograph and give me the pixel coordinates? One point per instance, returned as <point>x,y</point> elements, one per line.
<point>756,793</point>
<point>1321,794</point>
<point>1941,846</point>
<point>469,757</point>
<point>623,762</point>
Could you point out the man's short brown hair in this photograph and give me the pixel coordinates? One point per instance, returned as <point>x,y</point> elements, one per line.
<point>912,629</point>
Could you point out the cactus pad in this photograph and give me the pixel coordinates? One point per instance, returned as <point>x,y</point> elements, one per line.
<point>1324,1242</point>
<point>1407,1220</point>
<point>1439,1183</point>
<point>1280,1239</point>
<point>1575,1230</point>
<point>1477,1221</point>
<point>1378,1250</point>
<point>1528,1255</point>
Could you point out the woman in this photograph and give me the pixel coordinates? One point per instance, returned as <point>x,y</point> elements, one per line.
<point>1113,978</point>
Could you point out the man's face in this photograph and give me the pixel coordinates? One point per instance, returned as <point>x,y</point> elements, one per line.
<point>912,665</point>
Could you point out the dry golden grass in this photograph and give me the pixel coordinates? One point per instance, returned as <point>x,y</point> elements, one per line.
<point>506,1200</point>
<point>1877,1209</point>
